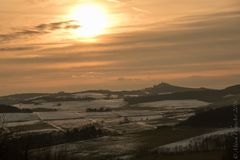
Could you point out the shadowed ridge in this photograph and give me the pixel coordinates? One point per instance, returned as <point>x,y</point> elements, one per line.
<point>163,88</point>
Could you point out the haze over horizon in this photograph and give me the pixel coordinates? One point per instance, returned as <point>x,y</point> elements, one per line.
<point>161,84</point>
<point>70,45</point>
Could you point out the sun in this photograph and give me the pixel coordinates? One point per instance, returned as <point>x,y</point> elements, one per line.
<point>92,18</point>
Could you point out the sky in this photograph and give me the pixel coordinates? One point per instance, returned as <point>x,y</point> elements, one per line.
<point>56,45</point>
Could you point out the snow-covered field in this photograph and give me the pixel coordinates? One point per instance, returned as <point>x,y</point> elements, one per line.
<point>72,114</point>
<point>174,104</point>
<point>58,115</point>
<point>76,105</point>
<point>174,109</point>
<point>67,124</point>
<point>185,145</point>
<point>17,117</point>
<point>14,124</point>
<point>90,95</point>
<point>145,118</point>
<point>131,113</point>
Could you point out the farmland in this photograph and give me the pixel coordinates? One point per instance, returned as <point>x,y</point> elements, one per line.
<point>98,126</point>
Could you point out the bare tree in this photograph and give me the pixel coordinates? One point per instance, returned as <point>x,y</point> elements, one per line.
<point>2,122</point>
<point>3,135</point>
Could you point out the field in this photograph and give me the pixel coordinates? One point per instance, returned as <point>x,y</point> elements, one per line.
<point>121,117</point>
<point>137,131</point>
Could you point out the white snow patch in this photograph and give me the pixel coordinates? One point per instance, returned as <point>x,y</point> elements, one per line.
<point>184,144</point>
<point>58,115</point>
<point>77,105</point>
<point>14,124</point>
<point>18,117</point>
<point>90,95</point>
<point>174,104</point>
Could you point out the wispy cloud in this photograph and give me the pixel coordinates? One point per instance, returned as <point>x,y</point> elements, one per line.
<point>141,10</point>
<point>114,1</point>
<point>40,29</point>
<point>10,49</point>
<point>177,51</point>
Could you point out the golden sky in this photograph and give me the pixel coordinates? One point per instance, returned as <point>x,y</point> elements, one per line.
<point>72,45</point>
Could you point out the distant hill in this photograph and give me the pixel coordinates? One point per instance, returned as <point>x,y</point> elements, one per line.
<point>207,95</point>
<point>97,91</point>
<point>56,97</point>
<point>162,91</point>
<point>16,98</point>
<point>164,88</point>
<point>39,97</point>
<point>232,90</point>
<point>204,94</point>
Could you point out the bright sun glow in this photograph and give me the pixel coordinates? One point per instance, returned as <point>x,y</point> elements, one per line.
<point>92,18</point>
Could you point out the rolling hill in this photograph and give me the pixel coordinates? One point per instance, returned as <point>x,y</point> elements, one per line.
<point>162,91</point>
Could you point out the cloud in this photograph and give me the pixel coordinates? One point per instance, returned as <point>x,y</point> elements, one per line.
<point>128,79</point>
<point>196,50</point>
<point>187,29</point>
<point>194,44</point>
<point>48,2</point>
<point>114,1</point>
<point>209,81</point>
<point>10,49</point>
<point>39,30</point>
<point>141,10</point>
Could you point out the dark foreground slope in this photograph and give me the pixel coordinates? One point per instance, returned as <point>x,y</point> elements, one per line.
<point>11,109</point>
<point>217,117</point>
